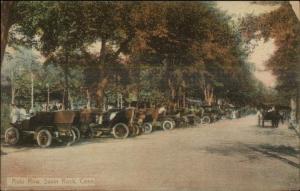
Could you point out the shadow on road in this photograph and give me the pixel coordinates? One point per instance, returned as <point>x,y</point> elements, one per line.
<point>278,152</point>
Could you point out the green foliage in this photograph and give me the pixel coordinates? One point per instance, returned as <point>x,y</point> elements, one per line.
<point>179,46</point>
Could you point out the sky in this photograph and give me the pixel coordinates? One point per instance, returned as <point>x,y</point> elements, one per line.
<point>264,50</point>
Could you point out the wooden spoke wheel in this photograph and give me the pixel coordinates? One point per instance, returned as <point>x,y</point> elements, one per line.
<point>12,136</point>
<point>44,138</point>
<point>167,125</point>
<point>120,131</point>
<point>147,128</point>
<point>205,120</point>
<point>77,133</point>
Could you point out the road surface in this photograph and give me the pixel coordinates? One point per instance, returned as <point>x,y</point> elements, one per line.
<point>226,155</point>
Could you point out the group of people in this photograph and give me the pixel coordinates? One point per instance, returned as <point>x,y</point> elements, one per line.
<point>19,113</point>
<point>52,106</point>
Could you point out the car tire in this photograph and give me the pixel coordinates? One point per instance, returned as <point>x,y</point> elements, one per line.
<point>77,133</point>
<point>73,137</point>
<point>44,138</point>
<point>12,136</point>
<point>148,128</point>
<point>90,133</point>
<point>120,131</point>
<point>197,120</point>
<point>205,120</point>
<point>167,125</point>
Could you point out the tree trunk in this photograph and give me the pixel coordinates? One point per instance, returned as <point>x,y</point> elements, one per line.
<point>66,88</point>
<point>100,92</point>
<point>6,11</point>
<point>32,90</point>
<point>121,101</point>
<point>13,94</point>
<point>102,51</point>
<point>102,59</point>
<point>172,89</point>
<point>71,102</point>
<point>208,94</point>
<point>88,96</point>
<point>48,96</point>
<point>13,89</point>
<point>298,105</point>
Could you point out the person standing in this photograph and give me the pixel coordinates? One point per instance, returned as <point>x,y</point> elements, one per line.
<point>22,113</point>
<point>259,116</point>
<point>14,113</point>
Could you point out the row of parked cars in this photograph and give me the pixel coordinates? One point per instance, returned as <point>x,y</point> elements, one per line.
<point>70,126</point>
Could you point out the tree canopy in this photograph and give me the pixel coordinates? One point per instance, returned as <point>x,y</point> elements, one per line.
<point>283,26</point>
<point>170,50</point>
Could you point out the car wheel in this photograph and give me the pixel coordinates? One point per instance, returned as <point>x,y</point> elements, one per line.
<point>197,120</point>
<point>90,133</point>
<point>138,130</point>
<point>77,133</point>
<point>205,120</point>
<point>44,138</point>
<point>12,136</point>
<point>167,125</point>
<point>72,137</point>
<point>120,131</point>
<point>147,128</point>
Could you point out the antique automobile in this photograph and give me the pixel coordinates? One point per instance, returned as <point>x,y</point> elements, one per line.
<point>210,114</point>
<point>186,117</point>
<point>154,118</point>
<point>45,127</point>
<point>121,123</point>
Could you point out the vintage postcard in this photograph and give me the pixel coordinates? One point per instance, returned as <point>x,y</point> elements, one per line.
<point>150,95</point>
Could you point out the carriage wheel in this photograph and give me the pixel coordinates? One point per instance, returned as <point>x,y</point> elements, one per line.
<point>205,120</point>
<point>77,133</point>
<point>44,138</point>
<point>147,128</point>
<point>120,131</point>
<point>167,125</point>
<point>12,136</point>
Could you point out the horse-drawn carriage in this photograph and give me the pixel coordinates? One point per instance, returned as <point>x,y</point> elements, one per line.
<point>272,113</point>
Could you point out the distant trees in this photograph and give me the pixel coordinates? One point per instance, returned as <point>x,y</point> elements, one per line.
<point>283,26</point>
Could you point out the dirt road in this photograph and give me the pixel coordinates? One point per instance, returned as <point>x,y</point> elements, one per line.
<point>227,155</point>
